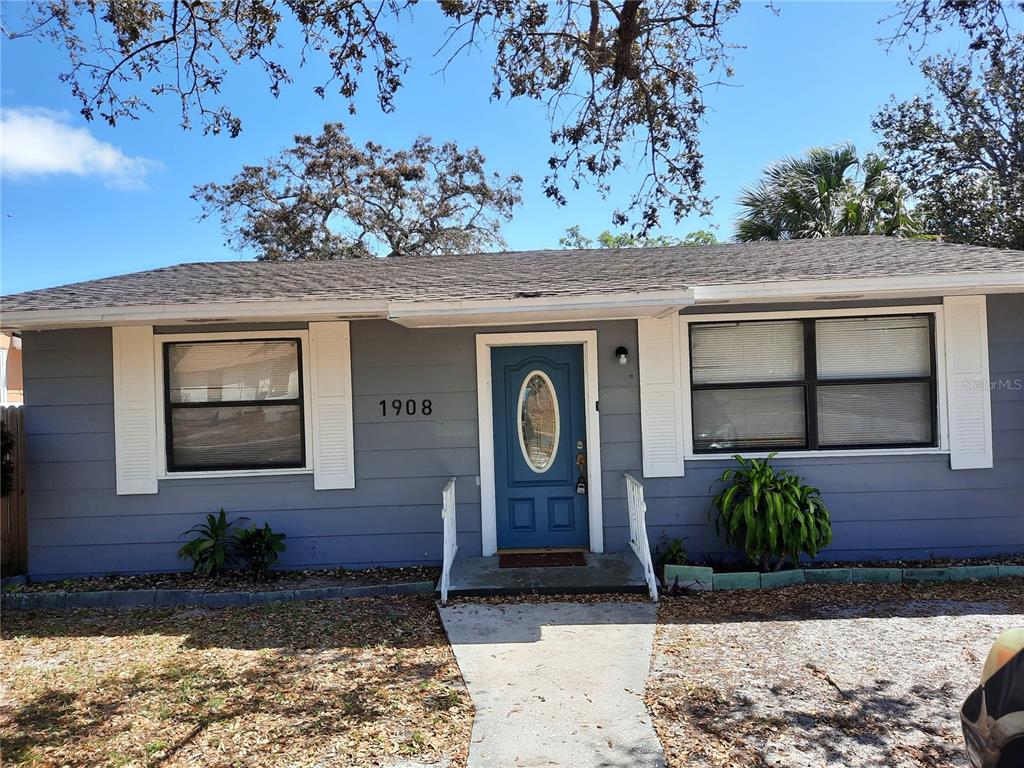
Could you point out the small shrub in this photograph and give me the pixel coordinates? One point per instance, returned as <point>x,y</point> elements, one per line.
<point>670,552</point>
<point>210,551</point>
<point>772,515</point>
<point>258,549</point>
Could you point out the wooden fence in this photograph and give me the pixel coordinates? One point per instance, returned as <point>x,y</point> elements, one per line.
<point>13,509</point>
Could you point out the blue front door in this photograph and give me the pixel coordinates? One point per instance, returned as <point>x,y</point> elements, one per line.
<point>539,438</point>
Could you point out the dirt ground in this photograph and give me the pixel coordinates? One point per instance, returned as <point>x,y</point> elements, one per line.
<point>810,676</point>
<point>232,581</point>
<point>357,682</point>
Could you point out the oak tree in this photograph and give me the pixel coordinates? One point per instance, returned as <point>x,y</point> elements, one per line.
<point>326,198</point>
<point>960,146</point>
<point>621,80</point>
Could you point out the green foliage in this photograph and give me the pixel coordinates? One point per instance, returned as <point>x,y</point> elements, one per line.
<point>6,459</point>
<point>671,552</point>
<point>258,549</point>
<point>574,238</point>
<point>210,551</point>
<point>960,145</point>
<point>617,82</point>
<point>826,193</point>
<point>770,513</point>
<point>699,237</point>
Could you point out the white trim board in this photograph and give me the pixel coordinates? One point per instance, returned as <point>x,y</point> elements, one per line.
<point>485,416</point>
<point>861,288</point>
<point>185,314</point>
<point>717,317</point>
<point>545,309</point>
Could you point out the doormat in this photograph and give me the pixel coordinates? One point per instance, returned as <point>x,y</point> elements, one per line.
<point>540,559</point>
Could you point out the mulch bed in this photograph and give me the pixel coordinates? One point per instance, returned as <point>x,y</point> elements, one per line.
<point>233,581</point>
<point>359,682</point>
<point>824,675</point>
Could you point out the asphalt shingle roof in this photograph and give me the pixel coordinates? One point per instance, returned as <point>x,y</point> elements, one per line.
<point>523,273</point>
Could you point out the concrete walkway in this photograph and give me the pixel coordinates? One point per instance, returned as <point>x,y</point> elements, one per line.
<point>557,684</point>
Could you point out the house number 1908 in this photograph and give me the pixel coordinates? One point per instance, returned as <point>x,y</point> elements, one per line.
<point>397,407</point>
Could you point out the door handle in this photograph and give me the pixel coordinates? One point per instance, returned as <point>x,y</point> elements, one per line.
<point>581,462</point>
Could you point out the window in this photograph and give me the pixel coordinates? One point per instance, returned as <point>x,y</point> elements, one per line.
<point>234,405</point>
<point>814,383</point>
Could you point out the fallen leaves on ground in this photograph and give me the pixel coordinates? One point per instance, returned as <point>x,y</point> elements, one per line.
<point>814,675</point>
<point>357,682</point>
<point>234,581</point>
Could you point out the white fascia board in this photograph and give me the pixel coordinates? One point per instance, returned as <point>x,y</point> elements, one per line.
<point>537,310</point>
<point>174,314</point>
<point>861,288</point>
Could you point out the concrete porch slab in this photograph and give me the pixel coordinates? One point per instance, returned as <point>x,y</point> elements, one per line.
<point>607,573</point>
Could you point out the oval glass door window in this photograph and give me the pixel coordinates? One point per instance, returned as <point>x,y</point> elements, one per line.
<point>538,421</point>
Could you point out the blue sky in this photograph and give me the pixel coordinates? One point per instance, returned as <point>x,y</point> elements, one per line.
<point>811,75</point>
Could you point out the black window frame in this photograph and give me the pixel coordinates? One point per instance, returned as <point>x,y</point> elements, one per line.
<point>169,407</point>
<point>810,383</point>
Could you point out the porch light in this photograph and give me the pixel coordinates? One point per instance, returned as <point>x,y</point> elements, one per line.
<point>623,354</point>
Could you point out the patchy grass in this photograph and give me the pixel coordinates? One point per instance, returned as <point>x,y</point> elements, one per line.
<point>824,675</point>
<point>357,682</point>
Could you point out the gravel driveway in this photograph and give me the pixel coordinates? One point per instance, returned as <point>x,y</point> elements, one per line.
<point>813,676</point>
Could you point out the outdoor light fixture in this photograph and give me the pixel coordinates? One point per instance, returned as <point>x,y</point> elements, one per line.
<point>623,354</point>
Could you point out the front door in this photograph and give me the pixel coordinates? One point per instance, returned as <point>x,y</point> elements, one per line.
<point>539,446</point>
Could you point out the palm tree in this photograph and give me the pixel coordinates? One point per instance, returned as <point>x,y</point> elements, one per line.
<point>823,195</point>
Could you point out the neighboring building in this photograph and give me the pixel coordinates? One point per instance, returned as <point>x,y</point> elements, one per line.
<point>335,399</point>
<point>11,387</point>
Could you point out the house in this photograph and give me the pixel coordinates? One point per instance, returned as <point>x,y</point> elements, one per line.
<point>11,387</point>
<point>334,400</point>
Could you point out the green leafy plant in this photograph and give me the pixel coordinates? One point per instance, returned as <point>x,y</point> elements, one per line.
<point>258,549</point>
<point>210,551</point>
<point>770,513</point>
<point>671,552</point>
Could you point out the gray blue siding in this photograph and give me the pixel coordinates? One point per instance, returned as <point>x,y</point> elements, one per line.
<point>79,525</point>
<point>907,506</point>
<point>896,506</point>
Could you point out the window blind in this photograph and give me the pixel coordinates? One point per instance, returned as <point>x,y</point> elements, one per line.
<point>234,405</point>
<point>724,353</point>
<point>874,414</point>
<point>744,418</point>
<point>875,347</point>
<point>862,382</point>
<point>233,371</point>
<point>252,435</point>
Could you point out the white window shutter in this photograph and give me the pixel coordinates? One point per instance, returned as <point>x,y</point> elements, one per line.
<point>661,413</point>
<point>135,442</point>
<point>967,382</point>
<point>331,405</point>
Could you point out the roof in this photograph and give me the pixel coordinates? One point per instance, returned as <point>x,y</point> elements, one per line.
<point>565,274</point>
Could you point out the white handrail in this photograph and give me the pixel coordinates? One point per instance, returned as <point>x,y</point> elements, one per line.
<point>638,531</point>
<point>451,544</point>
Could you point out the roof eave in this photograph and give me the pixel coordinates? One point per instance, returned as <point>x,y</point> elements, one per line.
<point>544,309</point>
<point>183,314</point>
<point>851,289</point>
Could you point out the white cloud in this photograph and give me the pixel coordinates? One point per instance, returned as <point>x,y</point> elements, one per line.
<point>40,142</point>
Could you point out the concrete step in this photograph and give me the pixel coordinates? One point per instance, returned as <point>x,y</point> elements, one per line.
<point>618,572</point>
